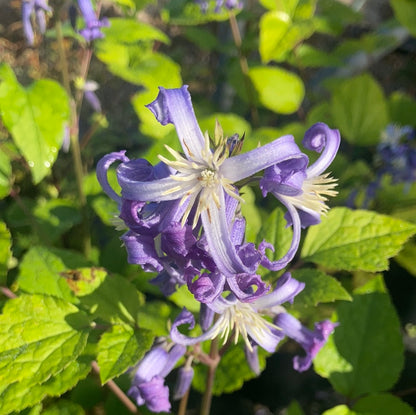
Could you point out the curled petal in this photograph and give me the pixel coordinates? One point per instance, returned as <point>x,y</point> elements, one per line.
<point>102,169</point>
<point>174,106</point>
<point>207,287</point>
<point>317,138</point>
<point>177,240</point>
<point>286,290</point>
<point>242,286</point>
<point>141,251</point>
<point>311,341</point>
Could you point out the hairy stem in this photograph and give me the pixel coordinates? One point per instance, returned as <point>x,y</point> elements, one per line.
<point>207,397</point>
<point>117,391</point>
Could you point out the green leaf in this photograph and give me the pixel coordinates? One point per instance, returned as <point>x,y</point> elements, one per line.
<point>64,407</point>
<point>340,410</point>
<point>5,175</point>
<point>295,409</point>
<point>55,217</point>
<point>131,31</point>
<point>109,297</point>
<point>274,231</point>
<point>356,240</point>
<point>182,297</point>
<point>405,12</point>
<point>230,123</point>
<point>359,110</point>
<point>41,272</point>
<point>319,288</point>
<point>279,90</point>
<point>365,354</point>
<point>382,404</point>
<point>279,34</point>
<point>36,118</point>
<point>231,373</point>
<point>5,251</point>
<point>120,349</point>
<point>154,316</point>
<point>41,336</point>
<point>406,258</point>
<point>249,210</point>
<point>402,109</point>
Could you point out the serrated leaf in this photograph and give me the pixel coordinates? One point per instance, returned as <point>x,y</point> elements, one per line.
<point>36,118</point>
<point>356,240</point>
<point>231,373</point>
<point>5,175</point>
<point>110,297</point>
<point>365,354</point>
<point>154,316</point>
<point>120,349</point>
<point>359,110</point>
<point>319,288</point>
<point>41,336</point>
<point>278,90</point>
<point>23,394</point>
<point>5,251</point>
<point>40,272</point>
<point>64,407</point>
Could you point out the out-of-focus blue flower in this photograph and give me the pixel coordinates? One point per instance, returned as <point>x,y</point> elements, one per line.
<point>148,386</point>
<point>220,4</point>
<point>39,7</point>
<point>311,341</point>
<point>89,87</point>
<point>93,25</point>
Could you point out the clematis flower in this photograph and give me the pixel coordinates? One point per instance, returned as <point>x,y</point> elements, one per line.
<point>303,191</point>
<point>204,177</point>
<point>148,384</point>
<point>311,341</point>
<point>39,7</point>
<point>219,4</point>
<point>241,318</point>
<point>93,25</point>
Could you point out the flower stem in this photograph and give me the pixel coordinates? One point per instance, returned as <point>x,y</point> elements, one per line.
<point>183,403</point>
<point>207,397</point>
<point>75,148</point>
<point>244,67</point>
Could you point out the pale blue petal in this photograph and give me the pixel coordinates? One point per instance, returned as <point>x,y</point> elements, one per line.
<point>174,106</point>
<point>320,137</point>
<point>245,165</point>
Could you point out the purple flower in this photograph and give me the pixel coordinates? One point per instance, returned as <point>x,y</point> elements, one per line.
<point>93,25</point>
<point>219,4</point>
<point>303,189</point>
<point>204,177</point>
<point>242,318</point>
<point>39,7</point>
<point>311,341</point>
<point>148,384</point>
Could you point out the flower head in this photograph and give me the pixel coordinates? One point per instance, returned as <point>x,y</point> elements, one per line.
<point>93,25</point>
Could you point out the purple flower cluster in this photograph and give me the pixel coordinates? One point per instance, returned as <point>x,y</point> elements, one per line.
<point>395,157</point>
<point>184,222</point>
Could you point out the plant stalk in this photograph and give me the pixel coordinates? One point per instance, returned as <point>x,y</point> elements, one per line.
<point>207,397</point>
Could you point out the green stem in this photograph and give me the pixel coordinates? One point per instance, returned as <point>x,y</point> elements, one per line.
<point>75,148</point>
<point>244,67</point>
<point>207,397</point>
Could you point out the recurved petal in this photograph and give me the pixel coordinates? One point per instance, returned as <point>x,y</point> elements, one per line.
<point>174,106</point>
<point>320,137</point>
